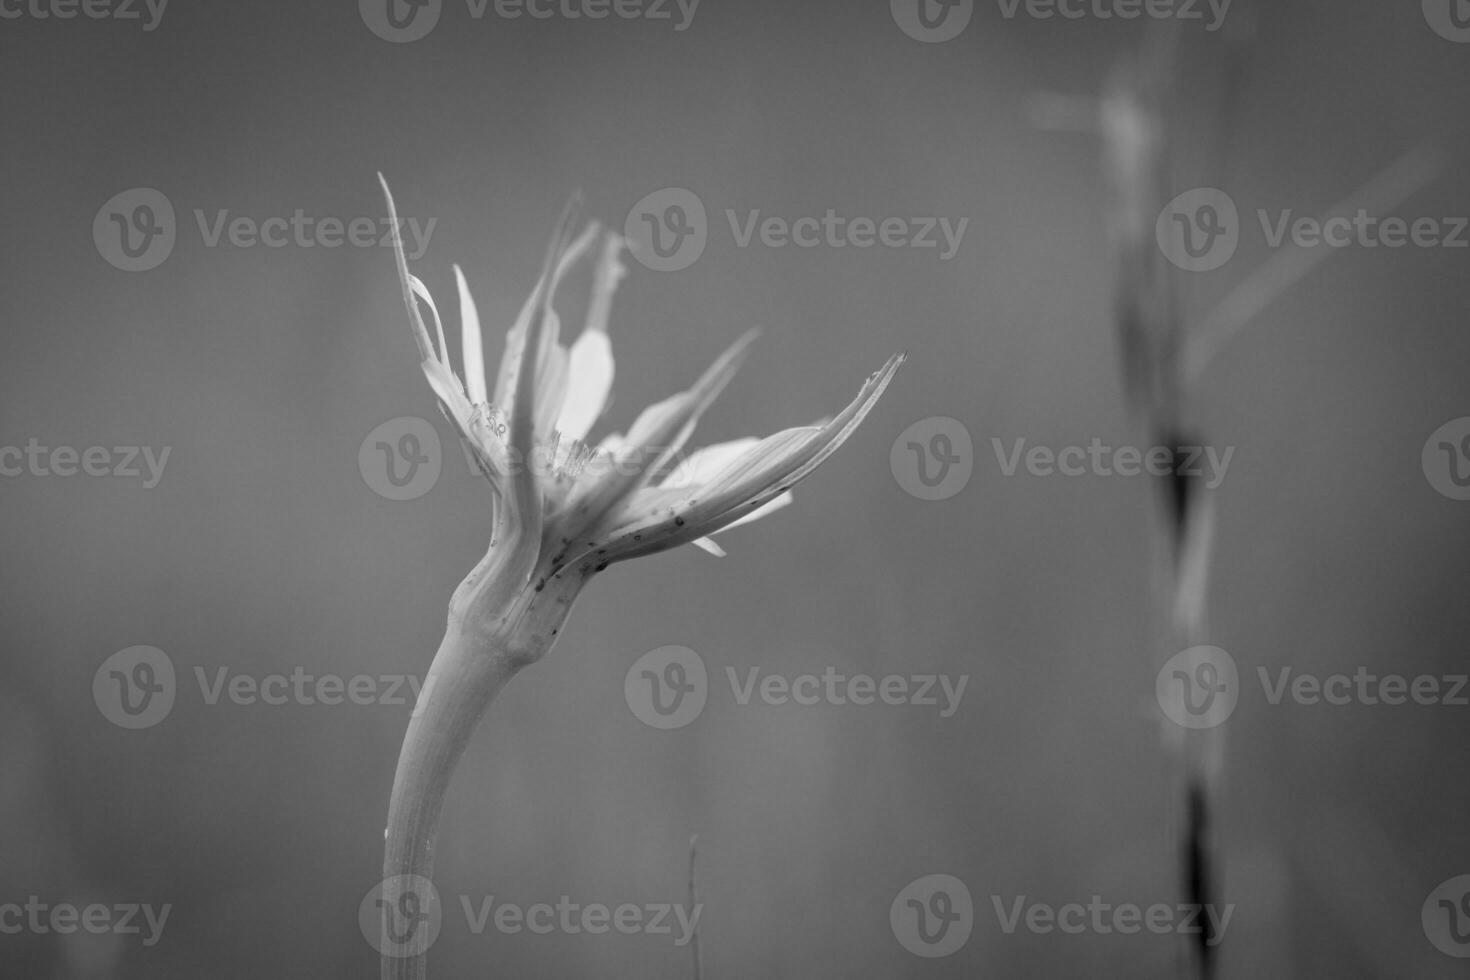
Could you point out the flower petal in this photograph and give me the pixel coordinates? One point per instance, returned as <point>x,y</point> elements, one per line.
<point>590,376</point>
<point>420,333</point>
<point>591,361</point>
<point>656,435</point>
<point>471,345</point>
<point>515,337</point>
<point>765,510</point>
<point>655,520</point>
<point>422,292</point>
<point>525,492</point>
<point>705,544</point>
<point>706,461</point>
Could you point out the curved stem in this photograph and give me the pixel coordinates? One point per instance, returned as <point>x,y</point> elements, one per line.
<point>479,654</point>
<point>462,682</point>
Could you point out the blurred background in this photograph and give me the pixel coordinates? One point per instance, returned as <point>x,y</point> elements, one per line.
<point>262,548</point>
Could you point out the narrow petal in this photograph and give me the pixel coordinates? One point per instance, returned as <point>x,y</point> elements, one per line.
<point>656,435</point>
<point>663,518</point>
<point>486,445</point>
<point>422,292</point>
<point>551,387</point>
<point>524,489</point>
<point>590,376</point>
<point>590,366</point>
<point>710,545</point>
<point>420,334</point>
<point>765,510</point>
<point>706,461</point>
<point>471,345</point>
<point>515,337</point>
<point>610,272</point>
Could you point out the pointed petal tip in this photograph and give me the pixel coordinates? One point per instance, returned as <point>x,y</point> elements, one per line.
<point>708,546</point>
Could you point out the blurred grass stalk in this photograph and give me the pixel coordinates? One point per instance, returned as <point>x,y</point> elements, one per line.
<point>1162,358</point>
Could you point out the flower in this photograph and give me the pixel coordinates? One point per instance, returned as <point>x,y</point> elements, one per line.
<point>566,504</point>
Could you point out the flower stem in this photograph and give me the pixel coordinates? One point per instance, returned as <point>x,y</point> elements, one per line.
<point>472,665</point>
<point>460,686</point>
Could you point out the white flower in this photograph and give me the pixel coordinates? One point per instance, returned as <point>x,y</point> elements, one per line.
<point>590,506</point>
